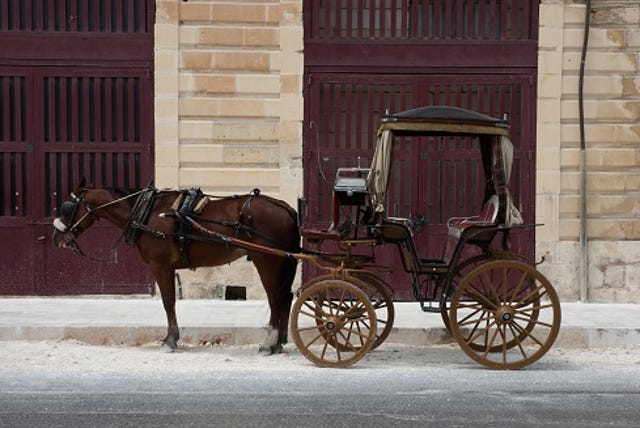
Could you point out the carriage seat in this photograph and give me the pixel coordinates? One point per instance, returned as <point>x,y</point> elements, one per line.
<point>479,230</point>
<point>486,218</point>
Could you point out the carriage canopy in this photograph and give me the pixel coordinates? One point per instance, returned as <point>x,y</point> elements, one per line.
<point>495,147</point>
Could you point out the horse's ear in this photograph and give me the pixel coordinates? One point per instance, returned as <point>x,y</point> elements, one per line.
<point>83,182</point>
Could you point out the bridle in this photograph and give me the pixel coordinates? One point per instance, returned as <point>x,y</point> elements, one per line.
<point>69,209</point>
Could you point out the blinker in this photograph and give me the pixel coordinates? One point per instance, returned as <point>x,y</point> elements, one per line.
<point>68,209</point>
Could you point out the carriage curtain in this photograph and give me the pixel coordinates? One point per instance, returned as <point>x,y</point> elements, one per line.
<point>378,177</point>
<point>502,165</point>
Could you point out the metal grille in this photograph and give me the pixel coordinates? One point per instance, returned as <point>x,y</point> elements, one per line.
<point>421,19</point>
<point>13,153</point>
<point>91,128</point>
<point>92,109</point>
<point>110,16</point>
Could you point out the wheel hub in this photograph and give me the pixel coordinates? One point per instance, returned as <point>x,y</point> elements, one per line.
<point>505,314</point>
<point>332,325</point>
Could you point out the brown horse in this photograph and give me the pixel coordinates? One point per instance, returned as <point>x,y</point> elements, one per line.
<point>165,244</point>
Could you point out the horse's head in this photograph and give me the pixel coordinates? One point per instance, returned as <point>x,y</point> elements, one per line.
<point>75,216</point>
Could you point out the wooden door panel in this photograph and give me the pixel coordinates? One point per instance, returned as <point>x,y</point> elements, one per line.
<point>93,125</point>
<point>16,201</point>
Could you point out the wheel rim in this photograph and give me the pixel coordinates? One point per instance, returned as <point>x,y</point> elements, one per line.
<point>333,324</point>
<point>505,314</point>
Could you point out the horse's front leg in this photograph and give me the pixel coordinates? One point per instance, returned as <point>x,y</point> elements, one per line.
<point>166,282</point>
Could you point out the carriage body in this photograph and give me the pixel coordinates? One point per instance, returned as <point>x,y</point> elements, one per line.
<point>502,312</point>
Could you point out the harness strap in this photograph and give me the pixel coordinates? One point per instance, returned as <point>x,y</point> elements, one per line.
<point>140,215</point>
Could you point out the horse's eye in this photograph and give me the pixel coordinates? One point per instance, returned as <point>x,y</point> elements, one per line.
<point>67,209</point>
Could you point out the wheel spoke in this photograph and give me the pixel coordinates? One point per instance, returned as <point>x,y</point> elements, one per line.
<point>485,317</point>
<point>519,343</point>
<point>536,291</point>
<point>313,340</point>
<point>481,332</point>
<point>476,294</point>
<point>348,343</point>
<point>488,343</point>
<point>475,312</point>
<point>504,284</point>
<point>528,334</point>
<point>517,288</point>
<point>536,322</point>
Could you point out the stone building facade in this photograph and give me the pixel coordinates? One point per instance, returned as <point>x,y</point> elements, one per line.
<point>612,136</point>
<point>229,116</point>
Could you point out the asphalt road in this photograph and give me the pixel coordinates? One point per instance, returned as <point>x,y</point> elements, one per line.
<point>56,384</point>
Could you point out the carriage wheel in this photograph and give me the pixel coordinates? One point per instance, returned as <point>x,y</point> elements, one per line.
<point>380,295</point>
<point>333,324</point>
<point>461,270</point>
<point>505,314</point>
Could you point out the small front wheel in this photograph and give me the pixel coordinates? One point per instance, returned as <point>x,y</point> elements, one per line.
<point>333,323</point>
<point>505,314</point>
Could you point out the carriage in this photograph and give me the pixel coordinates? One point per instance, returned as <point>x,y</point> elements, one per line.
<point>502,312</point>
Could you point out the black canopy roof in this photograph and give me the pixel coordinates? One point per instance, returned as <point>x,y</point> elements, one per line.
<point>445,114</point>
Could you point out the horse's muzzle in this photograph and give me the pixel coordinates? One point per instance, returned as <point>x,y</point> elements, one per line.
<point>65,240</point>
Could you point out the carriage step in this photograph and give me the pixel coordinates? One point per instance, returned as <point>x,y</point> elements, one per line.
<point>430,307</point>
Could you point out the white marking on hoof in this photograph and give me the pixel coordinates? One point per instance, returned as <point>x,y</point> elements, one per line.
<point>166,349</point>
<point>270,341</point>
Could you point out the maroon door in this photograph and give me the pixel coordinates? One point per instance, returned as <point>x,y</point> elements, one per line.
<point>16,195</point>
<point>76,100</point>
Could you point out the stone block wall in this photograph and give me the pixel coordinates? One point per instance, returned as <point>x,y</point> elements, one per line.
<point>229,109</point>
<point>612,134</point>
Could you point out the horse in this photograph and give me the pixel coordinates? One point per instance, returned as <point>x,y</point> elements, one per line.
<point>167,243</point>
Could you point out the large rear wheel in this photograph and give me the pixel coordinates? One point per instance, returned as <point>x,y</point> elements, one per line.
<point>333,323</point>
<point>505,314</point>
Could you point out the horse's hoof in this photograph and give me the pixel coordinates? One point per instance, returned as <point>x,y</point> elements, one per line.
<point>166,348</point>
<point>264,350</point>
<point>270,350</point>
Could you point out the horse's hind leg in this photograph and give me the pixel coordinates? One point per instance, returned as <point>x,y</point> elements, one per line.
<point>166,282</point>
<point>277,274</point>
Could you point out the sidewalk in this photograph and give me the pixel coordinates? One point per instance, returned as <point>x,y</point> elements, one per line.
<point>136,321</point>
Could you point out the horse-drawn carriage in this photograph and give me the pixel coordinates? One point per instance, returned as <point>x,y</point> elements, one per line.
<point>501,311</point>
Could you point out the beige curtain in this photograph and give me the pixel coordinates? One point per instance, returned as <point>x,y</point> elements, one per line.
<point>378,177</point>
<point>512,215</point>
